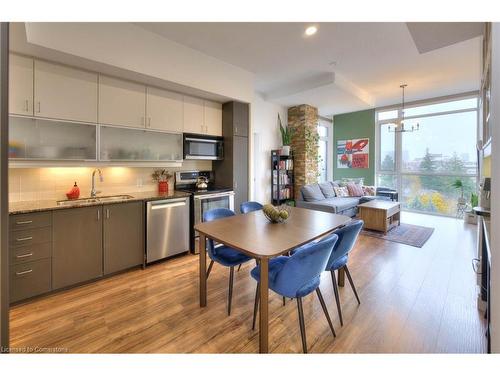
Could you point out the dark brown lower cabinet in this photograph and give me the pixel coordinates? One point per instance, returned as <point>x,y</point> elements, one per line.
<point>58,249</point>
<point>123,236</point>
<point>29,279</point>
<point>77,245</point>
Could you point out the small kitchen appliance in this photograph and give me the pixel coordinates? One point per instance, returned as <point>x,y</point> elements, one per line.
<point>203,147</point>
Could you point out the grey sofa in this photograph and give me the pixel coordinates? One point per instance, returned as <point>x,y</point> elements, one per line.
<point>321,197</point>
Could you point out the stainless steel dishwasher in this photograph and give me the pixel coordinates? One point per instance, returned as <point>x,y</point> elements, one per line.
<point>167,228</point>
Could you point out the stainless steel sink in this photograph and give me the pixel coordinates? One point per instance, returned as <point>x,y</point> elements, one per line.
<point>109,198</point>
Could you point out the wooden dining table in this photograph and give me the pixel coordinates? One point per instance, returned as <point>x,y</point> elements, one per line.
<point>255,236</point>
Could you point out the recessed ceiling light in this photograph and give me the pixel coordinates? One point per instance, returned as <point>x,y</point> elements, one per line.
<point>311,30</point>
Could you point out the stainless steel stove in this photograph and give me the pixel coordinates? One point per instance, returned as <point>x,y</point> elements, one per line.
<point>202,200</point>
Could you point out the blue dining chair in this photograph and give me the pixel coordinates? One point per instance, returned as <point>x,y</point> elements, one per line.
<point>347,235</point>
<point>297,276</point>
<point>222,254</point>
<point>250,206</point>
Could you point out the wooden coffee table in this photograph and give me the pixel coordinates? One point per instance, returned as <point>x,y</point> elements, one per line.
<point>380,215</point>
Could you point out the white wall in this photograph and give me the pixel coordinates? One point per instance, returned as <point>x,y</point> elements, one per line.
<point>265,136</point>
<point>495,191</point>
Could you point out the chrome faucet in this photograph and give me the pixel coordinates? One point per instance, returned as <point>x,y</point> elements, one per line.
<point>93,191</point>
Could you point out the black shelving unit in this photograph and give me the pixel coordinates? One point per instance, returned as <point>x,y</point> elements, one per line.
<point>282,178</point>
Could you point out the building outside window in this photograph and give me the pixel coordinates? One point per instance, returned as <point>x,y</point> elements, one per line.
<point>422,165</point>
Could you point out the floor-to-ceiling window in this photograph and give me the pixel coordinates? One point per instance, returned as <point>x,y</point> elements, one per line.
<point>423,165</point>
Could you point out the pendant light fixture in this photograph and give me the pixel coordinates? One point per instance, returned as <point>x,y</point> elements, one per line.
<point>400,128</point>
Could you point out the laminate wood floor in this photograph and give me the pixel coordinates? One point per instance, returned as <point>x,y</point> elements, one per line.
<point>413,300</point>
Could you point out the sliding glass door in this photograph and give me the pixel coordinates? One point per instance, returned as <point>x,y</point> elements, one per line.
<point>423,165</point>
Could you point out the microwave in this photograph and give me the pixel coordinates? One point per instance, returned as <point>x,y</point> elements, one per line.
<point>203,147</point>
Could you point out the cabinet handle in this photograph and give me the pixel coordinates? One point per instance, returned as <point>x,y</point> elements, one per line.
<point>26,105</point>
<point>24,255</point>
<point>24,272</point>
<point>38,107</point>
<point>98,215</point>
<point>149,122</point>
<point>107,213</point>
<point>142,121</point>
<point>24,222</point>
<point>24,239</point>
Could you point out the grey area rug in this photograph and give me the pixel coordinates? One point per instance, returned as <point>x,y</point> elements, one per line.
<point>408,234</point>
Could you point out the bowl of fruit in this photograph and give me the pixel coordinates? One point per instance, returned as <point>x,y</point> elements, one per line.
<point>276,214</point>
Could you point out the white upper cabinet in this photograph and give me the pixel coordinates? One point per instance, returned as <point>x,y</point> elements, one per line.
<point>164,110</point>
<point>53,91</point>
<point>202,116</point>
<point>194,115</point>
<point>64,93</point>
<point>121,102</point>
<point>21,85</point>
<point>213,118</point>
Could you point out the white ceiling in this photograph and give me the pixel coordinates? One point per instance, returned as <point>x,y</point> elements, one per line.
<point>369,60</point>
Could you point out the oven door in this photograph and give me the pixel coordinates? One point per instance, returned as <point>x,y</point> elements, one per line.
<point>204,203</point>
<point>203,148</point>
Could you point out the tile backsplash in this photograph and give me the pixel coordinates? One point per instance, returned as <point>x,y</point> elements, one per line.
<point>28,184</point>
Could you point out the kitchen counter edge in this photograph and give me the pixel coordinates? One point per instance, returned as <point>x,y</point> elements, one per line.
<point>26,207</point>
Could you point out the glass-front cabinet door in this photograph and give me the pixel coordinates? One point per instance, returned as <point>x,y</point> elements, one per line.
<point>37,139</point>
<point>32,139</point>
<point>125,144</point>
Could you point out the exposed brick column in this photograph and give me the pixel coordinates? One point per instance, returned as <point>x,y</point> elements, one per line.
<point>304,120</point>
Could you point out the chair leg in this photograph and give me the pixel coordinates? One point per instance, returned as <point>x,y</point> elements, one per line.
<point>302,325</point>
<point>230,296</point>
<point>210,268</point>
<point>255,306</point>
<point>352,284</point>
<point>325,310</point>
<point>337,298</point>
<point>239,267</point>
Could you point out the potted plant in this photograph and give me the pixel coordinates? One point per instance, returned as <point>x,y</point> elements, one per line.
<point>470,216</point>
<point>286,137</point>
<point>162,176</point>
<point>458,184</point>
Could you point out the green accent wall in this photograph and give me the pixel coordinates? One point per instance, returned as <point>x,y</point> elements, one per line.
<point>352,125</point>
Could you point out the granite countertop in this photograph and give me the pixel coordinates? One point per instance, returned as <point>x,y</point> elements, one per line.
<point>51,204</point>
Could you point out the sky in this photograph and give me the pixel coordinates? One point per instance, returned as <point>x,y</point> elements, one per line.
<point>443,134</point>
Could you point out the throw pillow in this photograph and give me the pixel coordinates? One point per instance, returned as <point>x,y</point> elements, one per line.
<point>312,193</point>
<point>327,189</point>
<point>356,180</point>
<point>369,190</point>
<point>355,190</point>
<point>341,191</point>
